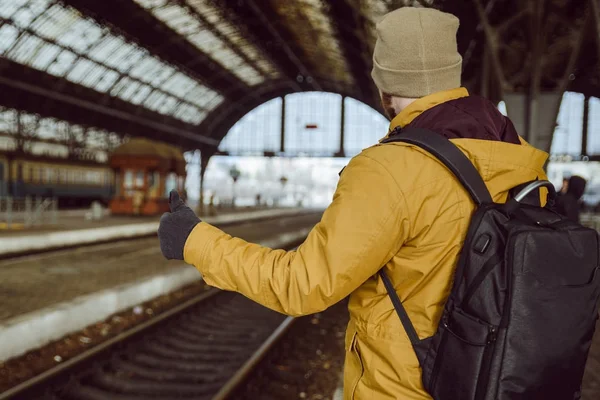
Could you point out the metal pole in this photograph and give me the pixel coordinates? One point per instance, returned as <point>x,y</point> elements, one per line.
<point>54,215</point>
<point>204,158</point>
<point>27,218</point>
<point>537,38</point>
<point>342,127</point>
<point>9,204</point>
<point>38,207</point>
<point>586,121</point>
<point>282,124</point>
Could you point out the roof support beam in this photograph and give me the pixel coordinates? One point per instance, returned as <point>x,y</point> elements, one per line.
<point>473,42</point>
<point>577,44</point>
<point>537,46</point>
<point>596,12</point>
<point>260,12</point>
<point>491,39</point>
<point>344,18</point>
<point>27,89</point>
<point>221,36</point>
<point>275,44</point>
<point>537,127</point>
<point>163,42</point>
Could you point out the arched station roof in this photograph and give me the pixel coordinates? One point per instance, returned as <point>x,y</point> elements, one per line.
<point>184,71</point>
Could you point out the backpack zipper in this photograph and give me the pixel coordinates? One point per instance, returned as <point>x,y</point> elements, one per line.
<point>439,358</point>
<point>493,335</point>
<point>486,363</point>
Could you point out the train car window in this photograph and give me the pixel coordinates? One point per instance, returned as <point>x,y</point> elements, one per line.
<point>48,175</point>
<point>153,184</point>
<point>150,179</point>
<point>128,181</point>
<point>139,179</point>
<point>118,190</point>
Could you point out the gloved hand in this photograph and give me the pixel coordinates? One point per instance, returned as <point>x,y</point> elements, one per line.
<point>175,227</point>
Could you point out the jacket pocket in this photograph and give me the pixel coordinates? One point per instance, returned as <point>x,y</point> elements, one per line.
<point>354,368</point>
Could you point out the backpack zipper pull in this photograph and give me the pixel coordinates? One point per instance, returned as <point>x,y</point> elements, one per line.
<point>491,335</point>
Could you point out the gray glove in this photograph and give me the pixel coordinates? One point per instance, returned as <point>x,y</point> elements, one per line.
<point>175,227</point>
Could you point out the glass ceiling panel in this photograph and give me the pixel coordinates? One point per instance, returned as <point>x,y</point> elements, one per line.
<point>57,39</point>
<point>45,56</point>
<point>204,27</point>
<point>8,36</point>
<point>216,18</point>
<point>141,94</point>
<point>62,64</point>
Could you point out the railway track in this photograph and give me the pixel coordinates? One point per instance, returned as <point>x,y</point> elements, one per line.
<point>199,350</point>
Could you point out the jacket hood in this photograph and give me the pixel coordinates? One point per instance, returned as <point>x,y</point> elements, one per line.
<point>471,117</point>
<point>487,137</point>
<point>504,166</point>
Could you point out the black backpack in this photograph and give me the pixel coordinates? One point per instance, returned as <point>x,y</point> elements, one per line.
<point>520,319</point>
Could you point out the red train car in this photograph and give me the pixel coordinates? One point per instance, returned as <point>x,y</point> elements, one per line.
<point>145,173</point>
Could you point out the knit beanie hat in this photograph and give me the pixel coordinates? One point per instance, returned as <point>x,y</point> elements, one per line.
<point>416,53</point>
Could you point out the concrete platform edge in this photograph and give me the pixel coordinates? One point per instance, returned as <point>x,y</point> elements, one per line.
<point>33,330</point>
<point>56,240</point>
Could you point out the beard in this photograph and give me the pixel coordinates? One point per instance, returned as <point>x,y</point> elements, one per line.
<point>388,108</point>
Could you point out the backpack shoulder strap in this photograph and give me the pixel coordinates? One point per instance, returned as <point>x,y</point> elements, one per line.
<point>451,156</point>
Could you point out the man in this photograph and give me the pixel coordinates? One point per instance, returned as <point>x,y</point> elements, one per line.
<point>565,187</point>
<point>569,203</point>
<point>395,207</point>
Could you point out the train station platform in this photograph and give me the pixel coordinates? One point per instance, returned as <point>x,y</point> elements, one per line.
<point>44,297</point>
<point>74,229</point>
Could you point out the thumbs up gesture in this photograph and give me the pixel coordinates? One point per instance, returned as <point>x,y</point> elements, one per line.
<point>175,227</point>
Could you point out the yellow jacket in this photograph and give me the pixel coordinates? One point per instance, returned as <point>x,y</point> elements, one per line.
<point>397,207</point>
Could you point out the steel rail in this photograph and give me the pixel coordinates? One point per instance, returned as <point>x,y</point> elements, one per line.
<point>241,375</point>
<point>233,383</point>
<point>72,362</point>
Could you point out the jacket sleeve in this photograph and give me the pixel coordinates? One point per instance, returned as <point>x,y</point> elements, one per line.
<point>360,231</point>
